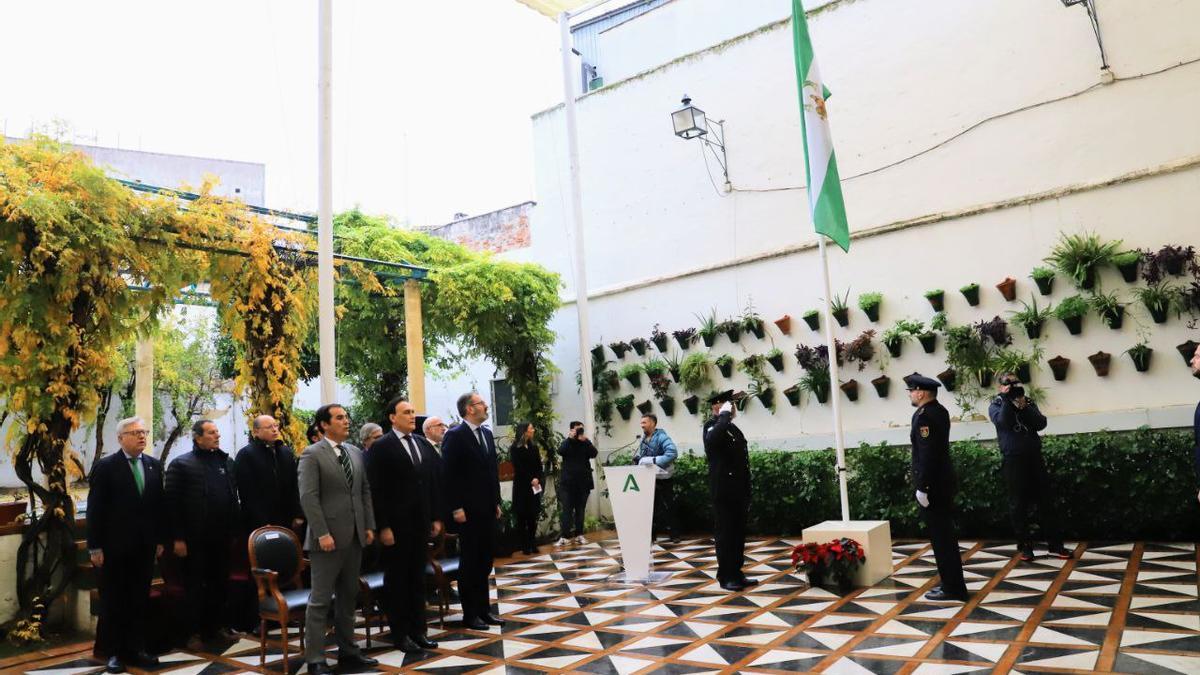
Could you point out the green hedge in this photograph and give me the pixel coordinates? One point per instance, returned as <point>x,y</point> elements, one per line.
<point>1137,485</point>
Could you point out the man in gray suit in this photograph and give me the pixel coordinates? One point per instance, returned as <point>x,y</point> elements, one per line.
<point>336,499</point>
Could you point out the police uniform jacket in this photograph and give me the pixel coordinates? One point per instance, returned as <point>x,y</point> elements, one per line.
<point>932,470</point>
<point>728,458</point>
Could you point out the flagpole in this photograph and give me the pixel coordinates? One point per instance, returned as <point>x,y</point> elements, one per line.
<point>835,395</point>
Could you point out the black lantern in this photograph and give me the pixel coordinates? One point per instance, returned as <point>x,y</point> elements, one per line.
<point>689,121</point>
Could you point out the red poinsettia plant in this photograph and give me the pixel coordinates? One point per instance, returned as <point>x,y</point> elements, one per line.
<point>837,559</point>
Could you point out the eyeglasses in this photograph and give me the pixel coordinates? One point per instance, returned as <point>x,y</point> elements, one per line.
<point>141,433</point>
<point>439,424</point>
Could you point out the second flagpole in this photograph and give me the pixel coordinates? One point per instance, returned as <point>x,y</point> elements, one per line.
<point>835,395</point>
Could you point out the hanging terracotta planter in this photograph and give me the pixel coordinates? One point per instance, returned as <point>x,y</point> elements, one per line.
<point>1140,355</point>
<point>850,388</point>
<point>842,316</point>
<point>882,385</point>
<point>1034,330</point>
<point>936,300</point>
<point>668,406</point>
<point>928,342</point>
<point>1058,366</point>
<point>1008,288</point>
<point>776,361</point>
<point>1045,284</point>
<point>1187,350</point>
<point>813,319</point>
<point>784,324</point>
<point>971,293</point>
<point>792,394</point>
<point>949,379</point>
<point>645,407</point>
<point>1100,361</point>
<point>692,403</point>
<point>985,378</point>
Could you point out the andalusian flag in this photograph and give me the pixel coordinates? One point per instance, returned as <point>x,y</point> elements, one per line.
<point>824,185</point>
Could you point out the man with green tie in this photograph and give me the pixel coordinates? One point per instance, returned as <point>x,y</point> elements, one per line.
<point>125,532</point>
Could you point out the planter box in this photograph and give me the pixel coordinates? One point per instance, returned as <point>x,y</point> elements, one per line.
<point>1058,366</point>
<point>875,537</point>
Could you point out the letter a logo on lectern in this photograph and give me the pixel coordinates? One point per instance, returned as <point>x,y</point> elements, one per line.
<point>631,484</point>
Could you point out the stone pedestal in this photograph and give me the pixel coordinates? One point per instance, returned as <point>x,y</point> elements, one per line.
<point>875,537</point>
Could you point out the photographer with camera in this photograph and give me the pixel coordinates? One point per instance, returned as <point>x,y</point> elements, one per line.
<point>1018,422</point>
<point>575,483</point>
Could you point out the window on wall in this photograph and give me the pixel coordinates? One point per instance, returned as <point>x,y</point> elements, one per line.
<point>502,403</point>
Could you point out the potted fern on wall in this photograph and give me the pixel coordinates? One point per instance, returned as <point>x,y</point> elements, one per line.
<point>1071,311</point>
<point>708,328</point>
<point>673,365</point>
<point>1127,263</point>
<point>624,405</point>
<point>1140,355</point>
<point>1160,299</point>
<point>1079,257</point>
<point>936,299</point>
<point>632,373</point>
<point>1110,309</point>
<point>695,373</point>
<point>724,364</point>
<point>775,358</point>
<point>813,318</point>
<point>869,304</point>
<point>1044,278</point>
<point>900,332</point>
<point>1032,318</point>
<point>971,293</point>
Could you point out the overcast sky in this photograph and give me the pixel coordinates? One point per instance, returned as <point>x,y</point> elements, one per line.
<point>431,99</point>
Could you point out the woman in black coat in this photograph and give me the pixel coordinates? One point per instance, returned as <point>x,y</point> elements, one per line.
<point>528,478</point>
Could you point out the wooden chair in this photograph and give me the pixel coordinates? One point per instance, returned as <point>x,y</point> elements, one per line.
<point>276,561</point>
<point>442,570</point>
<point>370,595</point>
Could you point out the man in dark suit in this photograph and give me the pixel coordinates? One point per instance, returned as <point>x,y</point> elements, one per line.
<point>473,497</point>
<point>405,472</point>
<point>266,478</point>
<point>336,498</point>
<point>934,479</point>
<point>729,482</point>
<point>125,532</point>
<point>1195,363</point>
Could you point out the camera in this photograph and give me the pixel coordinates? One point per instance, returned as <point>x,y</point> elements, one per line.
<point>1014,392</point>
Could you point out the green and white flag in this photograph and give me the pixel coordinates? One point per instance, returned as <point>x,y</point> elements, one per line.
<point>824,185</point>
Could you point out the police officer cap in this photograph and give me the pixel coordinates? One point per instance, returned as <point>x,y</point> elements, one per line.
<point>919,381</point>
<point>720,396</point>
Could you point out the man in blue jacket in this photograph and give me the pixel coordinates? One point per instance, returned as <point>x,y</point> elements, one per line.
<point>1018,422</point>
<point>657,448</point>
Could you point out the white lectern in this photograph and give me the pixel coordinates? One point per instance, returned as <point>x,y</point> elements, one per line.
<point>631,491</point>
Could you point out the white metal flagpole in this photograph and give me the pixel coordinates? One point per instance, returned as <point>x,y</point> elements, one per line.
<point>834,394</point>
<point>325,302</point>
<point>576,216</point>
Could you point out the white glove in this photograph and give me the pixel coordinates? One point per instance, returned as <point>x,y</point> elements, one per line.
<point>1198,496</point>
<point>646,461</point>
<point>727,406</point>
<point>922,499</point>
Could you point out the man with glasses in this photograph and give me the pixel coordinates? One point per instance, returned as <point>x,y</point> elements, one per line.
<point>1018,421</point>
<point>435,430</point>
<point>336,499</point>
<point>125,532</point>
<point>266,477</point>
<point>473,499</point>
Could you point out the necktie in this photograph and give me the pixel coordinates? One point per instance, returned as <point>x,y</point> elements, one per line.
<point>412,450</point>
<point>479,435</point>
<point>136,466</point>
<point>344,460</point>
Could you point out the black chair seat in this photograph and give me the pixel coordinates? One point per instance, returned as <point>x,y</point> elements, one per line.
<point>373,580</point>
<point>449,567</point>
<point>295,599</point>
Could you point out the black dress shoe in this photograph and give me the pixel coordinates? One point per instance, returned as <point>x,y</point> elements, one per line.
<point>319,668</point>
<point>475,624</point>
<point>115,665</point>
<point>734,586</point>
<point>1060,553</point>
<point>406,645</point>
<point>493,620</point>
<point>357,661</point>
<point>747,581</point>
<point>940,595</point>
<point>144,660</point>
<point>424,642</point>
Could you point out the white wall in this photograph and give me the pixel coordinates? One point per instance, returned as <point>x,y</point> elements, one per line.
<point>968,136</point>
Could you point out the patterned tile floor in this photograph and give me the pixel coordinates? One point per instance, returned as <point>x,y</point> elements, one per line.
<point>1123,607</point>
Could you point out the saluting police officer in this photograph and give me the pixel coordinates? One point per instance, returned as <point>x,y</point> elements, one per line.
<point>933,477</point>
<point>729,484</point>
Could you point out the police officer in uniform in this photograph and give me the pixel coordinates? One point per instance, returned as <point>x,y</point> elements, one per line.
<point>729,484</point>
<point>933,477</point>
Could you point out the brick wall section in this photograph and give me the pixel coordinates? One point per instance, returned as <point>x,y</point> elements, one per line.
<point>497,231</point>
